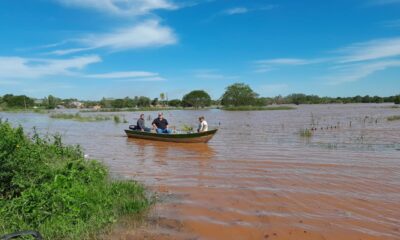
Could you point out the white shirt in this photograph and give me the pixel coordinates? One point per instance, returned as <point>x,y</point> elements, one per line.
<point>203,126</point>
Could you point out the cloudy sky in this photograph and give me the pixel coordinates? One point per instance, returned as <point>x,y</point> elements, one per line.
<point>116,48</point>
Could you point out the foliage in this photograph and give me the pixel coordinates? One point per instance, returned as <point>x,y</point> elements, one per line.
<point>306,133</point>
<point>49,187</point>
<point>187,128</point>
<point>175,103</point>
<point>393,118</point>
<point>154,102</point>
<point>117,119</point>
<point>257,108</point>
<point>396,99</point>
<point>20,101</point>
<point>78,117</point>
<point>239,94</point>
<point>196,99</point>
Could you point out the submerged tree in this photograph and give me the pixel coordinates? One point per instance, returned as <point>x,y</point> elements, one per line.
<point>197,99</point>
<point>239,94</point>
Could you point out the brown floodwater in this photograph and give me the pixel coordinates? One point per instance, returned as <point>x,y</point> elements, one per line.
<point>257,178</point>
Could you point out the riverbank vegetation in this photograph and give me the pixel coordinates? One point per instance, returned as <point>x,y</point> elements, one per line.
<point>49,187</point>
<point>79,117</point>
<point>258,108</point>
<point>238,94</point>
<point>394,118</point>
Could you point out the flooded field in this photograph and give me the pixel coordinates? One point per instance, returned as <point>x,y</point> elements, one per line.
<point>258,178</point>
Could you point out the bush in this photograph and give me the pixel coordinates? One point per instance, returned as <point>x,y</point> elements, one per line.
<point>196,99</point>
<point>49,187</point>
<point>239,94</point>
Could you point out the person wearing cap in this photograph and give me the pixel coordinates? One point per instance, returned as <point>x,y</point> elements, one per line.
<point>160,124</point>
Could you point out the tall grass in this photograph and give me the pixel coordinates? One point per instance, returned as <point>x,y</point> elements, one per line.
<point>394,118</point>
<point>257,108</point>
<point>50,187</point>
<point>306,133</point>
<point>78,117</point>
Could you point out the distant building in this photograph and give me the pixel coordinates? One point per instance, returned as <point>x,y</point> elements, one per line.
<point>76,104</point>
<point>96,107</point>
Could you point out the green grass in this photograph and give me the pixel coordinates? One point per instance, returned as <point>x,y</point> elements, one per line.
<point>79,117</point>
<point>258,108</point>
<point>133,109</point>
<point>49,187</point>
<point>22,110</point>
<point>393,118</point>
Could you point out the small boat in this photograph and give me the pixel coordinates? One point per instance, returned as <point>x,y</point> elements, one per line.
<point>201,137</point>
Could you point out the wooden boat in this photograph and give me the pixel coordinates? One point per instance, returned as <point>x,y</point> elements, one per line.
<point>202,137</point>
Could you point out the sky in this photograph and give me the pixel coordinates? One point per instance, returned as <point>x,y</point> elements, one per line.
<point>89,49</point>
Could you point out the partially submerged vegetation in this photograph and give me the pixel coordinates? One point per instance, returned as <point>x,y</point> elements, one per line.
<point>306,133</point>
<point>394,118</point>
<point>50,187</point>
<point>88,118</point>
<point>258,108</point>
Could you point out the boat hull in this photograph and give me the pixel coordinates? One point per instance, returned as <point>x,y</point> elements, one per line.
<point>202,137</point>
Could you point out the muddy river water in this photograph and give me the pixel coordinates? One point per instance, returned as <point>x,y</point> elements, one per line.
<point>257,178</point>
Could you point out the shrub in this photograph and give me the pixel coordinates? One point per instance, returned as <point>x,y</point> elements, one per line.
<point>49,187</point>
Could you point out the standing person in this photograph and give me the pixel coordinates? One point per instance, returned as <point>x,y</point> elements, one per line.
<point>161,124</point>
<point>203,125</point>
<point>140,125</point>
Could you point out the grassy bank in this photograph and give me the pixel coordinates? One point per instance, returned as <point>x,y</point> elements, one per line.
<point>80,118</point>
<point>49,187</point>
<point>256,108</point>
<point>394,118</point>
<point>132,109</point>
<point>23,110</point>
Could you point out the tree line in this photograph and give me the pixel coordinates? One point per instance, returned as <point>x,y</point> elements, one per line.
<point>238,94</point>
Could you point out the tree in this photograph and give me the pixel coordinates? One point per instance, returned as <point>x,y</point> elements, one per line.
<point>154,102</point>
<point>239,94</point>
<point>143,102</point>
<point>196,99</point>
<point>397,99</point>
<point>175,103</point>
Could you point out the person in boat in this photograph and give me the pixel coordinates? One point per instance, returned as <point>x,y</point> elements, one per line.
<point>203,125</point>
<point>140,125</point>
<point>160,124</point>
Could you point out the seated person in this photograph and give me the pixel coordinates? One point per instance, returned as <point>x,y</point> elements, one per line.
<point>161,124</point>
<point>203,125</point>
<point>140,125</point>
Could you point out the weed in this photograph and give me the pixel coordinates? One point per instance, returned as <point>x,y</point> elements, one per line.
<point>50,187</point>
<point>306,133</point>
<point>393,118</point>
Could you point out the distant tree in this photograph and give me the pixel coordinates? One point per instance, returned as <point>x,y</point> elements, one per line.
<point>154,102</point>
<point>396,99</point>
<point>20,101</point>
<point>239,94</point>
<point>175,103</point>
<point>117,103</point>
<point>105,103</point>
<point>143,102</point>
<point>197,99</point>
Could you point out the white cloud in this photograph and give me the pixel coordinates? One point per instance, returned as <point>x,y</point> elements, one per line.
<point>146,34</point>
<point>131,74</point>
<point>267,65</point>
<point>211,74</point>
<point>237,10</point>
<point>29,68</point>
<point>355,72</point>
<point>147,79</point>
<point>392,23</point>
<point>383,2</point>
<point>371,50</point>
<point>121,7</point>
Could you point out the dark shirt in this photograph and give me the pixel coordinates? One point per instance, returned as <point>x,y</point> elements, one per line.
<point>140,124</point>
<point>160,123</point>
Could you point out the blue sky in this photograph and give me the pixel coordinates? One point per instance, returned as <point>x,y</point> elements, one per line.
<point>116,48</point>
